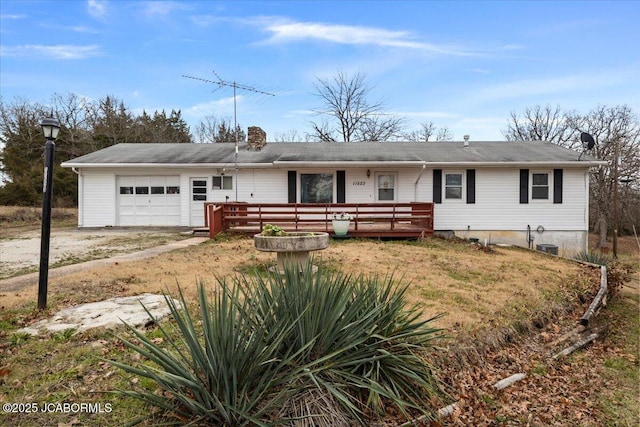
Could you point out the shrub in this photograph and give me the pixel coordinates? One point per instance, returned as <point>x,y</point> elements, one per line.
<point>324,349</point>
<point>273,230</point>
<point>594,257</point>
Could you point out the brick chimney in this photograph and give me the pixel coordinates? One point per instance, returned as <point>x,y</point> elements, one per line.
<point>256,138</point>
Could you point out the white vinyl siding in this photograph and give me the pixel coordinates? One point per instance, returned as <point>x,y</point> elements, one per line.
<point>497,205</point>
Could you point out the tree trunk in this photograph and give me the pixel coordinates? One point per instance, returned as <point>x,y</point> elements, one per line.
<point>602,233</point>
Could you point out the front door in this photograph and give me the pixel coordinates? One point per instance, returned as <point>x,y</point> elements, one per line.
<point>199,191</point>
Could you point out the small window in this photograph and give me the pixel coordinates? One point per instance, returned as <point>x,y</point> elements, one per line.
<point>540,186</point>
<point>199,190</point>
<point>173,190</point>
<point>386,187</point>
<point>142,190</point>
<point>199,183</point>
<point>126,190</point>
<point>200,197</point>
<point>453,186</point>
<point>157,190</point>
<point>222,182</point>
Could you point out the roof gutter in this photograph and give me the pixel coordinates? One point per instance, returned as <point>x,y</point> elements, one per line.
<point>564,163</point>
<point>302,164</point>
<point>164,165</point>
<point>280,163</point>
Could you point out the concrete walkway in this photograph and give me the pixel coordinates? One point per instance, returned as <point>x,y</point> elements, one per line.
<point>17,283</point>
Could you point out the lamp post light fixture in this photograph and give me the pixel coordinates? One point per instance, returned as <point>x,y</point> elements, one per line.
<point>50,129</point>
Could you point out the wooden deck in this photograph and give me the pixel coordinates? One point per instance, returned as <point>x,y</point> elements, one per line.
<point>378,220</point>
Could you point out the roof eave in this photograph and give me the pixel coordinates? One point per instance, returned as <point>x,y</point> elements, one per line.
<point>340,163</point>
<point>164,165</point>
<point>561,163</point>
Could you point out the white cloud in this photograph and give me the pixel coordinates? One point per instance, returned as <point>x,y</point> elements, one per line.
<point>51,51</point>
<point>218,107</point>
<point>283,31</point>
<point>13,16</point>
<point>555,85</point>
<point>427,114</point>
<point>155,9</point>
<point>83,29</point>
<point>97,8</point>
<point>478,128</point>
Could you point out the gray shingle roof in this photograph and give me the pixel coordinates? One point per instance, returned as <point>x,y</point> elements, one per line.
<point>364,152</point>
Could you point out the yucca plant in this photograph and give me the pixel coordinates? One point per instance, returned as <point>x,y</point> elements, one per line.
<point>359,340</point>
<point>317,349</point>
<point>217,370</point>
<point>594,257</point>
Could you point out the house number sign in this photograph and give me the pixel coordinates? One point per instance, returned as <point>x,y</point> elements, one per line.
<point>359,183</point>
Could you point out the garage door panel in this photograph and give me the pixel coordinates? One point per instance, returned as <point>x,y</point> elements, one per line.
<point>148,200</point>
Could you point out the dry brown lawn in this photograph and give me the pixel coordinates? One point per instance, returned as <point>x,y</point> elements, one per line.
<point>473,287</point>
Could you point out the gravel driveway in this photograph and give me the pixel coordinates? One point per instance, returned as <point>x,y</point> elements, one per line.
<point>21,255</point>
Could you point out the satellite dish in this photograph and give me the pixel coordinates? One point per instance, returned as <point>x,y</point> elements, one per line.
<point>587,139</point>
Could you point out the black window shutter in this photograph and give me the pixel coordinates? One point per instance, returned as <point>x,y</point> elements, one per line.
<point>437,186</point>
<point>292,186</point>
<point>340,178</point>
<point>557,186</point>
<point>524,185</point>
<point>471,186</point>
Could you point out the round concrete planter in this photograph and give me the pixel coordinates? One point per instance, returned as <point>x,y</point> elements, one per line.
<point>293,247</point>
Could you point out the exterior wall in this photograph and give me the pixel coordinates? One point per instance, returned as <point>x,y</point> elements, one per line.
<point>98,199</point>
<point>271,185</point>
<point>496,214</point>
<point>497,210</point>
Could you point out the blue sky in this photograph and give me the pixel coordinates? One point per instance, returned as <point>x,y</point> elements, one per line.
<point>464,65</point>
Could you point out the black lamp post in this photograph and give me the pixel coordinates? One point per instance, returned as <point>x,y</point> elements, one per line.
<point>50,129</point>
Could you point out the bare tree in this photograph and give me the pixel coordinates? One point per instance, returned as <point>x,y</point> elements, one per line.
<point>291,136</point>
<point>427,131</point>
<point>73,113</point>
<point>615,130</point>
<point>348,115</point>
<point>213,129</point>
<point>539,124</point>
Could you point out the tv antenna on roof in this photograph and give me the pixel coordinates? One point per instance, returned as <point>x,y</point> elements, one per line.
<point>235,85</point>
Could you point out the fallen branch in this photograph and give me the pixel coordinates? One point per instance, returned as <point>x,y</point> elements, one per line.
<point>442,412</point>
<point>577,330</point>
<point>599,300</point>
<point>578,345</point>
<point>504,383</point>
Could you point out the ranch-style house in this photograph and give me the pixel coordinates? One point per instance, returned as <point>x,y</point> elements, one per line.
<point>521,193</point>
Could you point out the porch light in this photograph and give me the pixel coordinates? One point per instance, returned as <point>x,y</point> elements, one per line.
<point>50,128</point>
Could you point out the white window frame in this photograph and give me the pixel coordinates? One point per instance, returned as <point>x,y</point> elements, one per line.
<point>461,186</point>
<point>394,188</point>
<point>549,187</point>
<point>223,180</point>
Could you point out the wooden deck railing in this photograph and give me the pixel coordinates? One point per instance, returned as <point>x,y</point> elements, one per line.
<point>368,219</point>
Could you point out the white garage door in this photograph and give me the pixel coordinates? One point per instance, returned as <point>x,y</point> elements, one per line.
<point>148,200</point>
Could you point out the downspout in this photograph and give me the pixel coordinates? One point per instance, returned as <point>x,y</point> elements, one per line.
<point>80,198</point>
<point>415,185</point>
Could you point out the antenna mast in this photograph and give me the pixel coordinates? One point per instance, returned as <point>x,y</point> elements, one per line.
<point>235,85</point>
